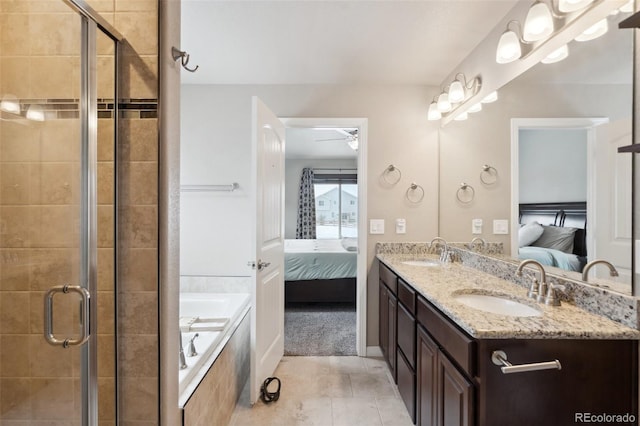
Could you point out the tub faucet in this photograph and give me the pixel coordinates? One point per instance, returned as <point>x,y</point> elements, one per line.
<point>537,290</point>
<point>585,271</point>
<point>183,361</point>
<point>192,347</point>
<point>473,242</point>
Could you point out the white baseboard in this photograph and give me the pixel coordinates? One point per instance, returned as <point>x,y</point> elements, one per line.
<point>374,351</point>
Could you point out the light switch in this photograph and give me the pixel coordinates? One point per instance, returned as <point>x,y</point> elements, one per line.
<point>401,226</point>
<point>476,226</point>
<point>376,226</point>
<point>500,226</point>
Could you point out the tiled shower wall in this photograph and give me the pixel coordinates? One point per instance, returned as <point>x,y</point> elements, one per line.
<point>25,71</point>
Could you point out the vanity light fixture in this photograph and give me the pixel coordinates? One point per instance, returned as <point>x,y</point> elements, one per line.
<point>557,55</point>
<point>509,47</point>
<point>35,113</point>
<point>565,6</point>
<point>627,7</point>
<point>443,102</point>
<point>461,117</point>
<point>10,104</point>
<point>434,113</point>
<point>600,28</point>
<point>456,91</point>
<point>491,97</point>
<point>477,107</point>
<point>539,22</point>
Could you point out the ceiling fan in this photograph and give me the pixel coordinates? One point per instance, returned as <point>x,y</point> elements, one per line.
<point>350,137</point>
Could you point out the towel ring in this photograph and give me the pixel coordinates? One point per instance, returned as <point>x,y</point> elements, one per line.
<point>488,175</point>
<point>465,188</point>
<point>389,171</point>
<point>413,188</point>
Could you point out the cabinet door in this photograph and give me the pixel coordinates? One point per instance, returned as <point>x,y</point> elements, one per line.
<point>455,395</point>
<point>393,342</point>
<point>426,379</point>
<point>383,320</point>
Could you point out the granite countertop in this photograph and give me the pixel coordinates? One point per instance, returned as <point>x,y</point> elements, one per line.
<point>439,284</point>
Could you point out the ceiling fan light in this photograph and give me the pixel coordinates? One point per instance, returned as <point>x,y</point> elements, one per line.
<point>461,117</point>
<point>572,5</point>
<point>491,97</point>
<point>443,103</point>
<point>477,107</point>
<point>627,7</point>
<point>433,113</point>
<point>538,23</point>
<point>509,48</point>
<point>600,28</point>
<point>557,55</point>
<point>456,92</point>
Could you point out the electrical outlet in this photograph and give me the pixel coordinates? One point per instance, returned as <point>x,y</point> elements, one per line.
<point>401,226</point>
<point>476,226</point>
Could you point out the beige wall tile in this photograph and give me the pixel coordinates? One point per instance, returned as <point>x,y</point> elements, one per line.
<point>106,226</point>
<point>106,312</point>
<point>60,141</point>
<point>14,186</point>
<point>134,358</point>
<point>51,267</point>
<point>53,398</point>
<point>138,75</point>
<point>36,317</point>
<point>15,72</point>
<point>54,77</point>
<point>106,355</point>
<point>138,26</point>
<point>139,226</point>
<point>19,225</point>
<point>106,183</point>
<point>58,226</point>
<point>138,313</point>
<point>106,76</point>
<point>104,44</point>
<point>138,270</point>
<point>54,183</point>
<point>107,400</point>
<point>106,271</point>
<point>12,317</point>
<point>139,399</point>
<point>14,359</point>
<point>15,398</point>
<point>19,143</point>
<point>136,5</point>
<point>54,34</point>
<point>143,183</point>
<point>15,33</point>
<point>36,6</point>
<point>14,6</point>
<point>106,142</point>
<point>102,6</point>
<point>49,361</point>
<point>139,140</point>
<point>15,269</point>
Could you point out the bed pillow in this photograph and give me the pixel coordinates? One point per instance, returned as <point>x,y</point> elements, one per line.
<point>557,238</point>
<point>350,244</point>
<point>528,233</point>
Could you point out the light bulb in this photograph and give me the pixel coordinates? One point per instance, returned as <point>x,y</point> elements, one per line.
<point>572,5</point>
<point>477,107</point>
<point>462,117</point>
<point>10,104</point>
<point>443,103</point>
<point>491,97</point>
<point>509,48</point>
<point>456,92</point>
<point>538,23</point>
<point>433,113</point>
<point>35,113</point>
<point>594,31</point>
<point>557,55</point>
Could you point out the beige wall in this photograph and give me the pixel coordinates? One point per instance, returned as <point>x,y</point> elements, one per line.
<point>486,139</point>
<point>398,133</point>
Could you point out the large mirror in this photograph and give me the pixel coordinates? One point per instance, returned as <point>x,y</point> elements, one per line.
<point>553,136</point>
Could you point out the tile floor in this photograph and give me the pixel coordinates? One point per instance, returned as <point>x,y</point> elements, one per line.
<point>328,391</point>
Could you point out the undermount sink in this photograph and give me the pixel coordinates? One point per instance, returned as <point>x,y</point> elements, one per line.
<point>497,304</point>
<point>422,262</point>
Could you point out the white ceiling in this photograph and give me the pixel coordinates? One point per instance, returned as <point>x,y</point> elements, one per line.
<point>333,41</point>
<point>308,143</point>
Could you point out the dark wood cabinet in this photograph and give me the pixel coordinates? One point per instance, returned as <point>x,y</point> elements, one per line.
<point>447,378</point>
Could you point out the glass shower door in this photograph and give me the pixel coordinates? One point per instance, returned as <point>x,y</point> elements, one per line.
<point>48,236</point>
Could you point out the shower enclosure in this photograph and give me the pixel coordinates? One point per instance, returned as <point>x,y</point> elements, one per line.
<point>58,119</point>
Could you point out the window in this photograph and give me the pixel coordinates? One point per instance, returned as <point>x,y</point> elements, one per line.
<point>337,202</point>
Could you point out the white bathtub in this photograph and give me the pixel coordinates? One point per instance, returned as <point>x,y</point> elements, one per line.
<point>209,344</point>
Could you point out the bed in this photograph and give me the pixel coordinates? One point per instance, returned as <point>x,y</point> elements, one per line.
<point>562,242</point>
<point>320,270</point>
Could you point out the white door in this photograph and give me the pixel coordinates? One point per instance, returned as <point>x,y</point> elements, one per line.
<point>612,201</point>
<point>267,330</point>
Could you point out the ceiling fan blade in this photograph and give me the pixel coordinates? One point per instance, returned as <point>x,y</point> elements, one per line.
<point>333,139</point>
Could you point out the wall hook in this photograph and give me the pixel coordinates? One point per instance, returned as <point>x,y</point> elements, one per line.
<point>184,59</point>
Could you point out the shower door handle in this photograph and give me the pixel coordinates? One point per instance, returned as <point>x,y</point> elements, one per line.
<point>84,315</point>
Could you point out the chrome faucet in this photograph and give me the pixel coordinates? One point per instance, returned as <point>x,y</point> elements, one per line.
<point>439,240</point>
<point>192,347</point>
<point>183,361</point>
<point>585,271</point>
<point>482,241</point>
<point>444,253</point>
<point>537,290</point>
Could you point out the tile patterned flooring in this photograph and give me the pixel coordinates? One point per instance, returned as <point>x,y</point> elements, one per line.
<point>328,391</point>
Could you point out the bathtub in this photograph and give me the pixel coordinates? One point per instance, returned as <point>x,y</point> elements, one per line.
<point>231,307</point>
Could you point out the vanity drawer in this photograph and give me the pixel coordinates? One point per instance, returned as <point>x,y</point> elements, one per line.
<point>407,295</point>
<point>389,278</point>
<point>407,334</point>
<point>457,344</point>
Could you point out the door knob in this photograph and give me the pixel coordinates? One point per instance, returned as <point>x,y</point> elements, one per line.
<point>262,264</point>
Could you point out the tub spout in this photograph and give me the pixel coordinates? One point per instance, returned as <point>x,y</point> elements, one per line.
<point>192,346</point>
<point>183,361</point>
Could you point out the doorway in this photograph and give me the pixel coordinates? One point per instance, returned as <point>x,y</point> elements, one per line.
<point>334,150</point>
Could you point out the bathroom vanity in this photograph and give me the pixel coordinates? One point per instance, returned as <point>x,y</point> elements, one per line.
<point>459,365</point>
